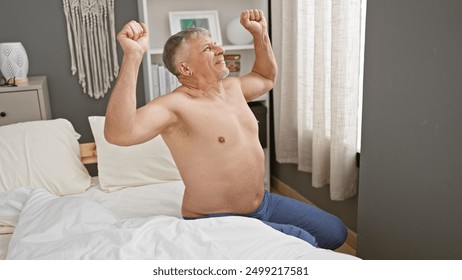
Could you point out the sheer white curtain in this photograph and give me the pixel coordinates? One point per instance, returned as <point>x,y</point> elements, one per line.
<point>317,98</point>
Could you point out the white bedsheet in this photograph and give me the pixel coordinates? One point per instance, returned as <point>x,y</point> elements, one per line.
<point>143,201</point>
<point>140,223</point>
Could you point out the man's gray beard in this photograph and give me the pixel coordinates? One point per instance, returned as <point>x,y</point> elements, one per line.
<point>225,74</point>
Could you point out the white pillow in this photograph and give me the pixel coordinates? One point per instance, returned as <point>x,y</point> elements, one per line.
<point>43,154</point>
<point>138,165</point>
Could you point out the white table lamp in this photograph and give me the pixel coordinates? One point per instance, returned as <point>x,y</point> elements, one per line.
<point>13,61</point>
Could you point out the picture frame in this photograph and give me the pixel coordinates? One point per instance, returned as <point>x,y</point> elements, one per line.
<point>180,20</point>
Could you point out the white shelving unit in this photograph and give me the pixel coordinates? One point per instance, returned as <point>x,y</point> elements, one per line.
<point>154,13</point>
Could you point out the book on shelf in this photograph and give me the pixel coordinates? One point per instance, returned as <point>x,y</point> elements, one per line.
<point>155,82</point>
<point>163,81</point>
<point>233,63</point>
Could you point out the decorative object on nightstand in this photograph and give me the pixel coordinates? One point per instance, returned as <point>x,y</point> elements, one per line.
<point>237,34</point>
<point>14,63</point>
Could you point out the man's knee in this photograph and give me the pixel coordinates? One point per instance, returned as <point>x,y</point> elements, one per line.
<point>335,235</point>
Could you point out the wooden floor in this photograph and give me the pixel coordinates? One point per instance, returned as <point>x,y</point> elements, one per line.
<point>349,247</point>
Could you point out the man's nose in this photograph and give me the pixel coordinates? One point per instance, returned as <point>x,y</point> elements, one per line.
<point>219,50</point>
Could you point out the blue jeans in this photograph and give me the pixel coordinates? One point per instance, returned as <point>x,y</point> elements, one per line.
<point>298,219</point>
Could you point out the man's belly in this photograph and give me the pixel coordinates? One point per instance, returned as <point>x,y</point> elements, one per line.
<point>222,177</point>
<point>198,203</point>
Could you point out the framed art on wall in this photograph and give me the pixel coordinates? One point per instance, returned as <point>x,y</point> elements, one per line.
<point>180,20</point>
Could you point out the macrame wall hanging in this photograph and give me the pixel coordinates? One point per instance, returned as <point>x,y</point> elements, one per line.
<point>91,36</point>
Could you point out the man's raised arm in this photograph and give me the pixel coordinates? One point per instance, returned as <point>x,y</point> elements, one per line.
<point>125,124</point>
<point>264,71</point>
<point>121,110</point>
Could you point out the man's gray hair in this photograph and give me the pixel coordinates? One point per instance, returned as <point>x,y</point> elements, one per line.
<point>174,43</point>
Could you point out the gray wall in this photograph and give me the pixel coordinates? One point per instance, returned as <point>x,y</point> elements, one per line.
<point>411,170</point>
<point>41,27</point>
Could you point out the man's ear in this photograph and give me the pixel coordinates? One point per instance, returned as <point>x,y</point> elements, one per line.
<point>184,69</point>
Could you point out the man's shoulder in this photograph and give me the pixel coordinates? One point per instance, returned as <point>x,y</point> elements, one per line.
<point>173,102</point>
<point>175,96</point>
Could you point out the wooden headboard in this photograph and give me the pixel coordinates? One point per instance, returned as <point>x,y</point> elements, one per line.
<point>88,153</point>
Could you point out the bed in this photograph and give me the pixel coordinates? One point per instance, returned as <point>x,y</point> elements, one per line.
<point>51,208</point>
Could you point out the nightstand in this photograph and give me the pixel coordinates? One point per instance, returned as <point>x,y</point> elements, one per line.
<point>25,102</point>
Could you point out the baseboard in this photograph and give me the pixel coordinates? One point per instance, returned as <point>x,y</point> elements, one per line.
<point>286,190</point>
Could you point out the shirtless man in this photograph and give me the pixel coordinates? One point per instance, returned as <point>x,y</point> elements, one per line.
<point>209,128</point>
